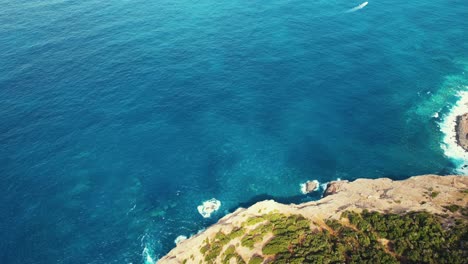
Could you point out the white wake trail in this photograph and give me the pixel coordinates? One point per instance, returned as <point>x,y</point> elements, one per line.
<point>354,9</point>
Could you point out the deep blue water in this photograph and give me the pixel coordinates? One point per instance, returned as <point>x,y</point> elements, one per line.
<point>118,118</point>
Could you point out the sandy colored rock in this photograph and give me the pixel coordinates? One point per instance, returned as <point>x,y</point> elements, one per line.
<point>429,193</point>
<point>334,187</point>
<point>462,131</point>
<point>311,186</point>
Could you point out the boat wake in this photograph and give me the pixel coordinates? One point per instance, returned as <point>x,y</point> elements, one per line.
<point>354,9</point>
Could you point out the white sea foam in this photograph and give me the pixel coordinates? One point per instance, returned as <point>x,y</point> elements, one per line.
<point>208,207</point>
<point>303,188</point>
<point>356,8</point>
<point>447,126</point>
<point>147,256</point>
<point>180,239</point>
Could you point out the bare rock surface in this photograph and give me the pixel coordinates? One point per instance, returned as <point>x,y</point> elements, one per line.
<point>462,131</point>
<point>311,186</point>
<point>428,192</point>
<point>334,187</point>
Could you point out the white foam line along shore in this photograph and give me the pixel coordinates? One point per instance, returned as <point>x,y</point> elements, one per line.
<point>449,144</point>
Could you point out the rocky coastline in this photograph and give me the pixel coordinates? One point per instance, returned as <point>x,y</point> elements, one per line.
<point>461,129</point>
<point>428,193</point>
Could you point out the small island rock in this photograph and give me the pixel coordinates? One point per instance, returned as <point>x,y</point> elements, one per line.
<point>311,186</point>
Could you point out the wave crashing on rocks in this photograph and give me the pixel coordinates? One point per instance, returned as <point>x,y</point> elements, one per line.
<point>309,186</point>
<point>180,239</point>
<point>208,207</point>
<point>448,127</point>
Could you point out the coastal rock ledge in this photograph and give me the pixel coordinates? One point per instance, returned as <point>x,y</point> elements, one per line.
<point>462,131</point>
<point>243,236</point>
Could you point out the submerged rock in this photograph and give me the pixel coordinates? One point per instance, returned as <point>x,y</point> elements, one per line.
<point>462,131</point>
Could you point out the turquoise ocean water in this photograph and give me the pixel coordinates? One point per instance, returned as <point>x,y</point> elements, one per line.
<point>119,118</point>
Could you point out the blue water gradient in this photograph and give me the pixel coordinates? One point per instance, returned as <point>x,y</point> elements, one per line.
<point>118,118</point>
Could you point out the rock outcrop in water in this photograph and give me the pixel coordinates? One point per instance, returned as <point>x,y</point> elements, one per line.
<point>209,207</point>
<point>462,131</point>
<point>309,187</point>
<point>332,228</point>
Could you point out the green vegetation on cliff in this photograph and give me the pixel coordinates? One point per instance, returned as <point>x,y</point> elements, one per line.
<point>367,237</point>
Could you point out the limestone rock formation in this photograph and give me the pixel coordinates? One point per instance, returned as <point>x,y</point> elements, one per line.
<point>462,131</point>
<point>445,196</point>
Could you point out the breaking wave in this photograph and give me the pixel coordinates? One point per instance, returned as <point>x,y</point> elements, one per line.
<point>447,126</point>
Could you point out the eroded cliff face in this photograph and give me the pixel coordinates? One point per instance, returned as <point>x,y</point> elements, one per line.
<point>429,193</point>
